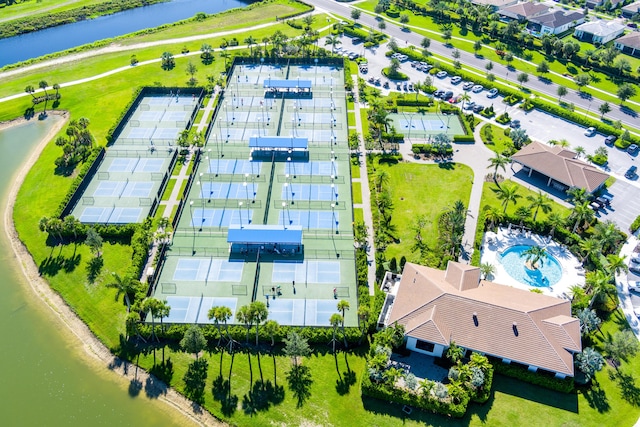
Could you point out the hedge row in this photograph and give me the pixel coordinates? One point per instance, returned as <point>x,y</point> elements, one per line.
<point>635,224</point>
<point>140,243</point>
<point>429,149</point>
<point>521,373</point>
<point>388,393</point>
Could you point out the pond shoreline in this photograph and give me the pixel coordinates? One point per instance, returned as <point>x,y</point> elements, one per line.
<point>91,345</point>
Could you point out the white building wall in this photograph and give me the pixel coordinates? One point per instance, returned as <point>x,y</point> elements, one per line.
<point>438,349</point>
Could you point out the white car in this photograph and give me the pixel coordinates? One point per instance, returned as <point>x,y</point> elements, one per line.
<point>477,89</point>
<point>441,74</point>
<point>590,131</point>
<point>635,259</point>
<point>634,286</point>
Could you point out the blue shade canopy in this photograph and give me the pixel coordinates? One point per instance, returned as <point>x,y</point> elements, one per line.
<point>265,235</point>
<point>278,142</point>
<point>287,84</point>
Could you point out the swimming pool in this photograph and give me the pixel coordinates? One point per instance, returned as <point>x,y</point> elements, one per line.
<point>544,276</point>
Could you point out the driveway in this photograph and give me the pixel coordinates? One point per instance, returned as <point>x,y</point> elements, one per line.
<point>625,206</point>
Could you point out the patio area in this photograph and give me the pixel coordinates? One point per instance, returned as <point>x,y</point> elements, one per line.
<point>420,365</point>
<point>494,245</point>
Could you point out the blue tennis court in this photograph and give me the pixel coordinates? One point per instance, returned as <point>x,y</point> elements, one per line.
<point>319,312</point>
<point>123,189</point>
<point>306,272</point>
<point>220,217</point>
<point>110,215</point>
<point>208,269</point>
<point>233,133</point>
<point>175,116</point>
<point>311,168</point>
<point>140,133</point>
<point>309,192</point>
<point>232,166</point>
<point>320,135</point>
<point>166,133</point>
<point>309,219</point>
<point>150,116</point>
<point>419,123</point>
<point>196,309</point>
<point>135,165</point>
<point>226,190</point>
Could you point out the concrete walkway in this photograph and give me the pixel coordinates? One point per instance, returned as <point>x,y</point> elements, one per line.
<point>366,194</point>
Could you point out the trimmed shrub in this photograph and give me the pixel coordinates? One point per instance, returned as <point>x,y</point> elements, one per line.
<point>514,371</point>
<point>635,224</point>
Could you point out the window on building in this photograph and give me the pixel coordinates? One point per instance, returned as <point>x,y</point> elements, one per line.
<point>424,345</point>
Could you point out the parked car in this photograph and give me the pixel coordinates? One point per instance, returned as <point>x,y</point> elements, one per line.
<point>610,140</point>
<point>477,89</point>
<point>467,86</point>
<point>635,259</point>
<point>634,269</point>
<point>441,74</point>
<point>631,172</point>
<point>456,79</point>
<point>633,149</point>
<point>386,85</point>
<point>477,108</point>
<point>634,286</point>
<point>398,86</point>
<point>515,123</point>
<point>447,95</point>
<point>469,105</point>
<point>411,86</point>
<point>493,93</point>
<point>426,68</point>
<point>590,131</point>
<point>438,93</point>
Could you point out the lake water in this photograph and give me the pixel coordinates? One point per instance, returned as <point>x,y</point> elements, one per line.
<point>33,45</point>
<point>47,380</point>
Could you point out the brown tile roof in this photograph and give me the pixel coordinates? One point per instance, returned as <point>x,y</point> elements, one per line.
<point>436,310</point>
<point>631,40</point>
<point>525,10</point>
<point>561,165</point>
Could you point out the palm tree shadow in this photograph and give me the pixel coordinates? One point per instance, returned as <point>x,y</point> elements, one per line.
<point>346,379</point>
<point>628,388</point>
<point>597,398</point>
<point>299,380</point>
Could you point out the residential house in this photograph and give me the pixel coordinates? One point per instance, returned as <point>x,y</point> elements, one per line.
<point>592,4</point>
<point>630,10</point>
<point>554,22</point>
<point>439,307</point>
<point>522,11</point>
<point>629,44</point>
<point>560,166</point>
<point>598,32</point>
<point>495,4</point>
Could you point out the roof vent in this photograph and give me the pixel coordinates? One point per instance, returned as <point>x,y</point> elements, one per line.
<point>475,319</point>
<point>515,328</point>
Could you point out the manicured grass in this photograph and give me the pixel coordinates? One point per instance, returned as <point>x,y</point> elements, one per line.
<point>490,198</point>
<point>358,215</point>
<point>422,190</point>
<point>35,7</point>
<point>499,142</point>
<point>351,118</point>
<point>356,189</point>
<point>169,189</point>
<point>355,167</point>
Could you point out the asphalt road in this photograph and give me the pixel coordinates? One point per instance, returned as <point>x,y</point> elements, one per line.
<point>628,115</point>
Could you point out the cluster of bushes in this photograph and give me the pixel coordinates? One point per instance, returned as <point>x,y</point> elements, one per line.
<point>226,43</point>
<point>76,146</point>
<point>635,224</point>
<point>39,22</point>
<point>140,243</point>
<point>512,99</point>
<point>488,112</point>
<point>527,105</point>
<point>521,373</point>
<point>466,382</point>
<point>373,38</point>
<point>429,149</point>
<point>77,181</point>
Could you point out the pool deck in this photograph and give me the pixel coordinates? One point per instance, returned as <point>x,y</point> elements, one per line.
<point>495,243</point>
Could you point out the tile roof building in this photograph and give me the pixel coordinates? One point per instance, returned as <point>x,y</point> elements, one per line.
<point>630,10</point>
<point>523,11</point>
<point>598,32</point>
<point>554,22</point>
<point>560,166</point>
<point>629,44</point>
<point>438,307</point>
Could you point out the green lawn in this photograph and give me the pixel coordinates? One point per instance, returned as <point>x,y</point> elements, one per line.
<point>422,190</point>
<point>355,167</point>
<point>358,215</point>
<point>169,189</point>
<point>356,189</point>
<point>35,7</point>
<point>490,198</point>
<point>351,118</point>
<point>499,142</point>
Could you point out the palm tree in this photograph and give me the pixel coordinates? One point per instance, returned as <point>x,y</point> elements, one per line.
<point>555,220</point>
<point>212,316</point>
<point>364,313</point>
<point>455,352</point>
<point>507,194</point>
<point>522,213</point>
<point>56,87</point>
<point>615,264</point>
<point>163,311</point>
<point>498,161</point>
<point>381,180</point>
<point>608,235</point>
<point>333,40</point>
<point>153,306</point>
<point>43,85</point>
<point>224,55</point>
<point>259,314</point>
<point>599,283</point>
<point>533,255</point>
<point>245,317</point>
<point>167,61</point>
<point>577,195</point>
<point>493,215</point>
<point>487,270</point>
<point>539,202</point>
<point>465,97</point>
<point>589,247</point>
<point>123,285</point>
<point>582,214</point>
<point>30,90</point>
<point>335,320</point>
<point>343,306</point>
<point>271,327</point>
<point>250,41</point>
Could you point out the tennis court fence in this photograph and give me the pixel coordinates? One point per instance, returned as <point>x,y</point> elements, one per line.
<point>84,183</point>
